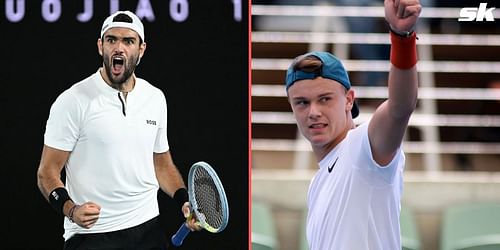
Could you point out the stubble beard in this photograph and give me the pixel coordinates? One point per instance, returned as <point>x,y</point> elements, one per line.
<point>118,81</point>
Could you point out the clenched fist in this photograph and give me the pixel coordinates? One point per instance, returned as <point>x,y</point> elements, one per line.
<point>402,15</point>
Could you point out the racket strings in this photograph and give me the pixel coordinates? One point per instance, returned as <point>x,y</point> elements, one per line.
<point>208,199</point>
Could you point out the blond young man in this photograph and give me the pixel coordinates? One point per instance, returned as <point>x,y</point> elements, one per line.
<point>354,198</point>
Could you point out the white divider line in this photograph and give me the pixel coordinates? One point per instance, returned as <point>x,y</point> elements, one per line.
<point>264,90</point>
<point>350,11</point>
<point>408,146</point>
<point>371,38</point>
<point>418,120</point>
<point>384,65</point>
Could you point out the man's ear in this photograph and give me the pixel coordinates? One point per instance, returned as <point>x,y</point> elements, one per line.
<point>99,46</point>
<point>350,99</point>
<point>142,49</point>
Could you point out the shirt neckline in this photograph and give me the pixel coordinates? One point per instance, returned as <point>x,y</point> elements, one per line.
<point>105,88</point>
<point>332,155</point>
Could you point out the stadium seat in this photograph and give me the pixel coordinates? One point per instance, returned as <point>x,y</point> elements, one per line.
<point>303,245</point>
<point>410,238</point>
<point>263,227</point>
<point>471,227</point>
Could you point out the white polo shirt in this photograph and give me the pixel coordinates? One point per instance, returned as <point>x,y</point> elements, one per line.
<point>112,143</point>
<point>353,202</point>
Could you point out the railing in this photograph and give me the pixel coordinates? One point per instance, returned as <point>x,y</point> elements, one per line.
<point>427,118</point>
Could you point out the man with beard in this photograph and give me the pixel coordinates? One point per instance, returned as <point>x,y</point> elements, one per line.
<point>109,132</point>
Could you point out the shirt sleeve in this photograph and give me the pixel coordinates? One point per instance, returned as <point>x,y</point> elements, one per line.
<point>161,142</point>
<point>63,125</point>
<point>365,157</point>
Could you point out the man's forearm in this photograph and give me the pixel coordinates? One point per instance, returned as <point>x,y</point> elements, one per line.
<point>403,77</point>
<point>403,86</point>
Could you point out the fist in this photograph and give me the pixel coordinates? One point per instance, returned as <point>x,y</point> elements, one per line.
<point>402,15</point>
<point>87,214</point>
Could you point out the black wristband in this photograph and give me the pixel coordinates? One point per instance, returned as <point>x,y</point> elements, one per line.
<point>57,198</point>
<point>181,196</point>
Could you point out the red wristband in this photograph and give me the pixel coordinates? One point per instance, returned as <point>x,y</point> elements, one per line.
<point>403,51</point>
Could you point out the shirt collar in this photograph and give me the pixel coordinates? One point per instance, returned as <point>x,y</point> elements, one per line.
<point>104,87</point>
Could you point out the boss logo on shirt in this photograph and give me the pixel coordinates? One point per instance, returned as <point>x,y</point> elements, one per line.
<point>151,122</point>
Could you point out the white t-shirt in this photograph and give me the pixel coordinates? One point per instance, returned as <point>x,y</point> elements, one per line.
<point>112,141</point>
<point>353,202</point>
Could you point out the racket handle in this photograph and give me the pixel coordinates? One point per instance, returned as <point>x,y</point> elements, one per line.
<point>181,234</point>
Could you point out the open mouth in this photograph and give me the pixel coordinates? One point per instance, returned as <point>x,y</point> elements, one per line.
<point>317,125</point>
<point>118,62</point>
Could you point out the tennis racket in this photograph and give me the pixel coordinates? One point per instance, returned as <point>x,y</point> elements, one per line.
<point>208,201</point>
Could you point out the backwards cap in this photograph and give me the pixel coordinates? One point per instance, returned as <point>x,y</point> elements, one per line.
<point>331,68</point>
<point>135,25</point>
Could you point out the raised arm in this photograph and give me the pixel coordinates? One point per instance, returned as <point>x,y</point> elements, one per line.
<point>389,122</point>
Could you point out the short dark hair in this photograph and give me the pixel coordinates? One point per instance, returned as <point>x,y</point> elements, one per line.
<point>124,18</point>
